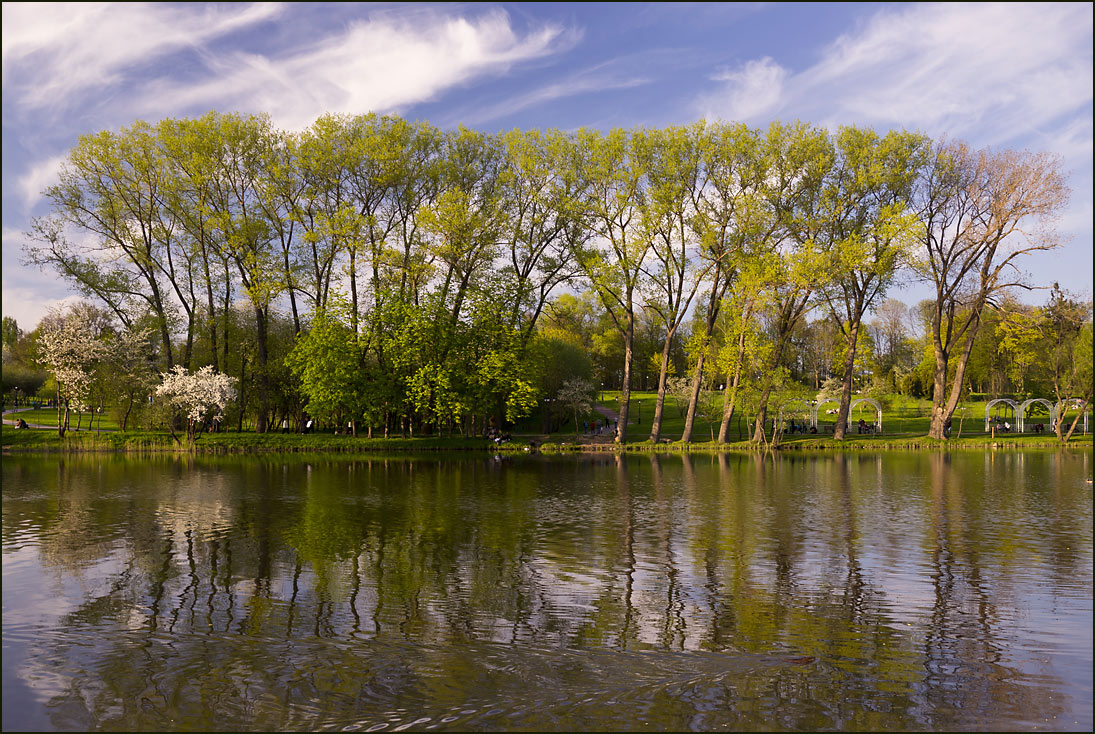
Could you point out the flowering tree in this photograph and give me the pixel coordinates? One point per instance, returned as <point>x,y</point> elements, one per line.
<point>68,346</point>
<point>199,395</point>
<point>576,394</point>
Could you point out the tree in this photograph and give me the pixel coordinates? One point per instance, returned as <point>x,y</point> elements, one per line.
<point>111,186</point>
<point>673,162</point>
<point>892,338</point>
<point>10,332</point>
<point>1068,332</point>
<point>576,394</point>
<point>802,157</point>
<point>69,345</point>
<point>327,359</point>
<point>980,211</point>
<point>735,223</point>
<point>246,148</point>
<point>130,367</point>
<point>613,262</point>
<point>198,396</point>
<point>869,231</point>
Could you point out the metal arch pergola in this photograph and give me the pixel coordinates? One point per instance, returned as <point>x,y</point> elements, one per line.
<point>877,409</point>
<point>988,409</point>
<point>851,408</point>
<point>1020,420</point>
<point>811,408</point>
<point>817,408</point>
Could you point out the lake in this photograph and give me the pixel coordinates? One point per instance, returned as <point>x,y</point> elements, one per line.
<point>904,590</point>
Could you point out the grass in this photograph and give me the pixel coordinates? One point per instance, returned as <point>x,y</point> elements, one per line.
<point>229,443</point>
<point>48,417</point>
<point>905,426</point>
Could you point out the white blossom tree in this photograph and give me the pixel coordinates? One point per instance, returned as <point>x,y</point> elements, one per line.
<point>197,395</point>
<point>576,394</point>
<point>69,347</point>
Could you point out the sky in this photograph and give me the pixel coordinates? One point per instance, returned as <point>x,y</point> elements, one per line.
<point>1010,75</point>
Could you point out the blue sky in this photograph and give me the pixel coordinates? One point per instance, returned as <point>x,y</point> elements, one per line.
<point>1014,76</point>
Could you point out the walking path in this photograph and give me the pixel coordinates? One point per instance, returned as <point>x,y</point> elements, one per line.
<point>13,421</point>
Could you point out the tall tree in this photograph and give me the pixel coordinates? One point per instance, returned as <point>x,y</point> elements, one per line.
<point>246,149</point>
<point>542,192</point>
<point>801,158</point>
<point>980,211</point>
<point>736,224</point>
<point>613,260</point>
<point>869,231</point>
<point>110,186</point>
<point>673,159</point>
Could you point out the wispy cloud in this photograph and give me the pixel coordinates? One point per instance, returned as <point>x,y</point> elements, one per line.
<point>53,53</point>
<point>383,63</point>
<point>38,177</point>
<point>600,78</point>
<point>1003,70</point>
<point>751,91</point>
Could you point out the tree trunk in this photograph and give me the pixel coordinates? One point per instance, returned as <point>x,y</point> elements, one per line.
<point>663,375</point>
<point>60,425</point>
<point>846,385</point>
<point>264,377</point>
<point>944,404</point>
<point>625,389</point>
<point>694,399</point>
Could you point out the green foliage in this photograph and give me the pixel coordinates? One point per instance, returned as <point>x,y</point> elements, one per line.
<point>327,360</point>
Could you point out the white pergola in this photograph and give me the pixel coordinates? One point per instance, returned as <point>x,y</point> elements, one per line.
<point>988,409</point>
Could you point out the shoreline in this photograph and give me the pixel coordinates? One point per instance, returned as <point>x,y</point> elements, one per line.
<point>42,441</point>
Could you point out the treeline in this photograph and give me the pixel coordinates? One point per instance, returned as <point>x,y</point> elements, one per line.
<point>414,279</point>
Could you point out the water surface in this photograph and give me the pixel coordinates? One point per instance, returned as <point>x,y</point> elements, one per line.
<point>896,591</point>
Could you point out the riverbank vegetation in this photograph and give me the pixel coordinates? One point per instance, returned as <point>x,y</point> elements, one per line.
<point>389,279</point>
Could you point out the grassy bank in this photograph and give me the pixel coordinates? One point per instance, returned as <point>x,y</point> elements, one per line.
<point>851,443</point>
<point>243,443</point>
<point>236,443</point>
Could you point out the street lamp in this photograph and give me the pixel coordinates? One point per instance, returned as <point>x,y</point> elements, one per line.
<point>639,411</point>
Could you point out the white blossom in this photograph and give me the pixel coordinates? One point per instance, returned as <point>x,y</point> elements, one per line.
<point>68,347</point>
<point>199,395</point>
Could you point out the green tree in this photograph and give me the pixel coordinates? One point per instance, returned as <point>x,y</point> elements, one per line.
<point>1068,338</point>
<point>613,261</point>
<point>673,161</point>
<point>327,360</point>
<point>869,231</point>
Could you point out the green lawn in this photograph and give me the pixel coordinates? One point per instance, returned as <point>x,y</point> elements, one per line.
<point>903,418</point>
<point>48,417</point>
<point>905,424</point>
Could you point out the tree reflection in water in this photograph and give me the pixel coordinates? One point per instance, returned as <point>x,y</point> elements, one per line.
<point>742,591</point>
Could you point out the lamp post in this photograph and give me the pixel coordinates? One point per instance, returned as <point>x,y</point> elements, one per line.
<point>543,418</point>
<point>639,411</point>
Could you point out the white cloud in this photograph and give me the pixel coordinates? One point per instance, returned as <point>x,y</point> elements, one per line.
<point>381,64</point>
<point>751,91</point>
<point>997,71</point>
<point>38,177</point>
<point>53,52</point>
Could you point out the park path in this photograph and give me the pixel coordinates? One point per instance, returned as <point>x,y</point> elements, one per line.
<point>12,422</point>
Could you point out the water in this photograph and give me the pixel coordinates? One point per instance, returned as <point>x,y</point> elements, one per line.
<point>896,591</point>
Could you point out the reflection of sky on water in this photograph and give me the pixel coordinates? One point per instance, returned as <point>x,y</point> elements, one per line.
<point>973,581</point>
